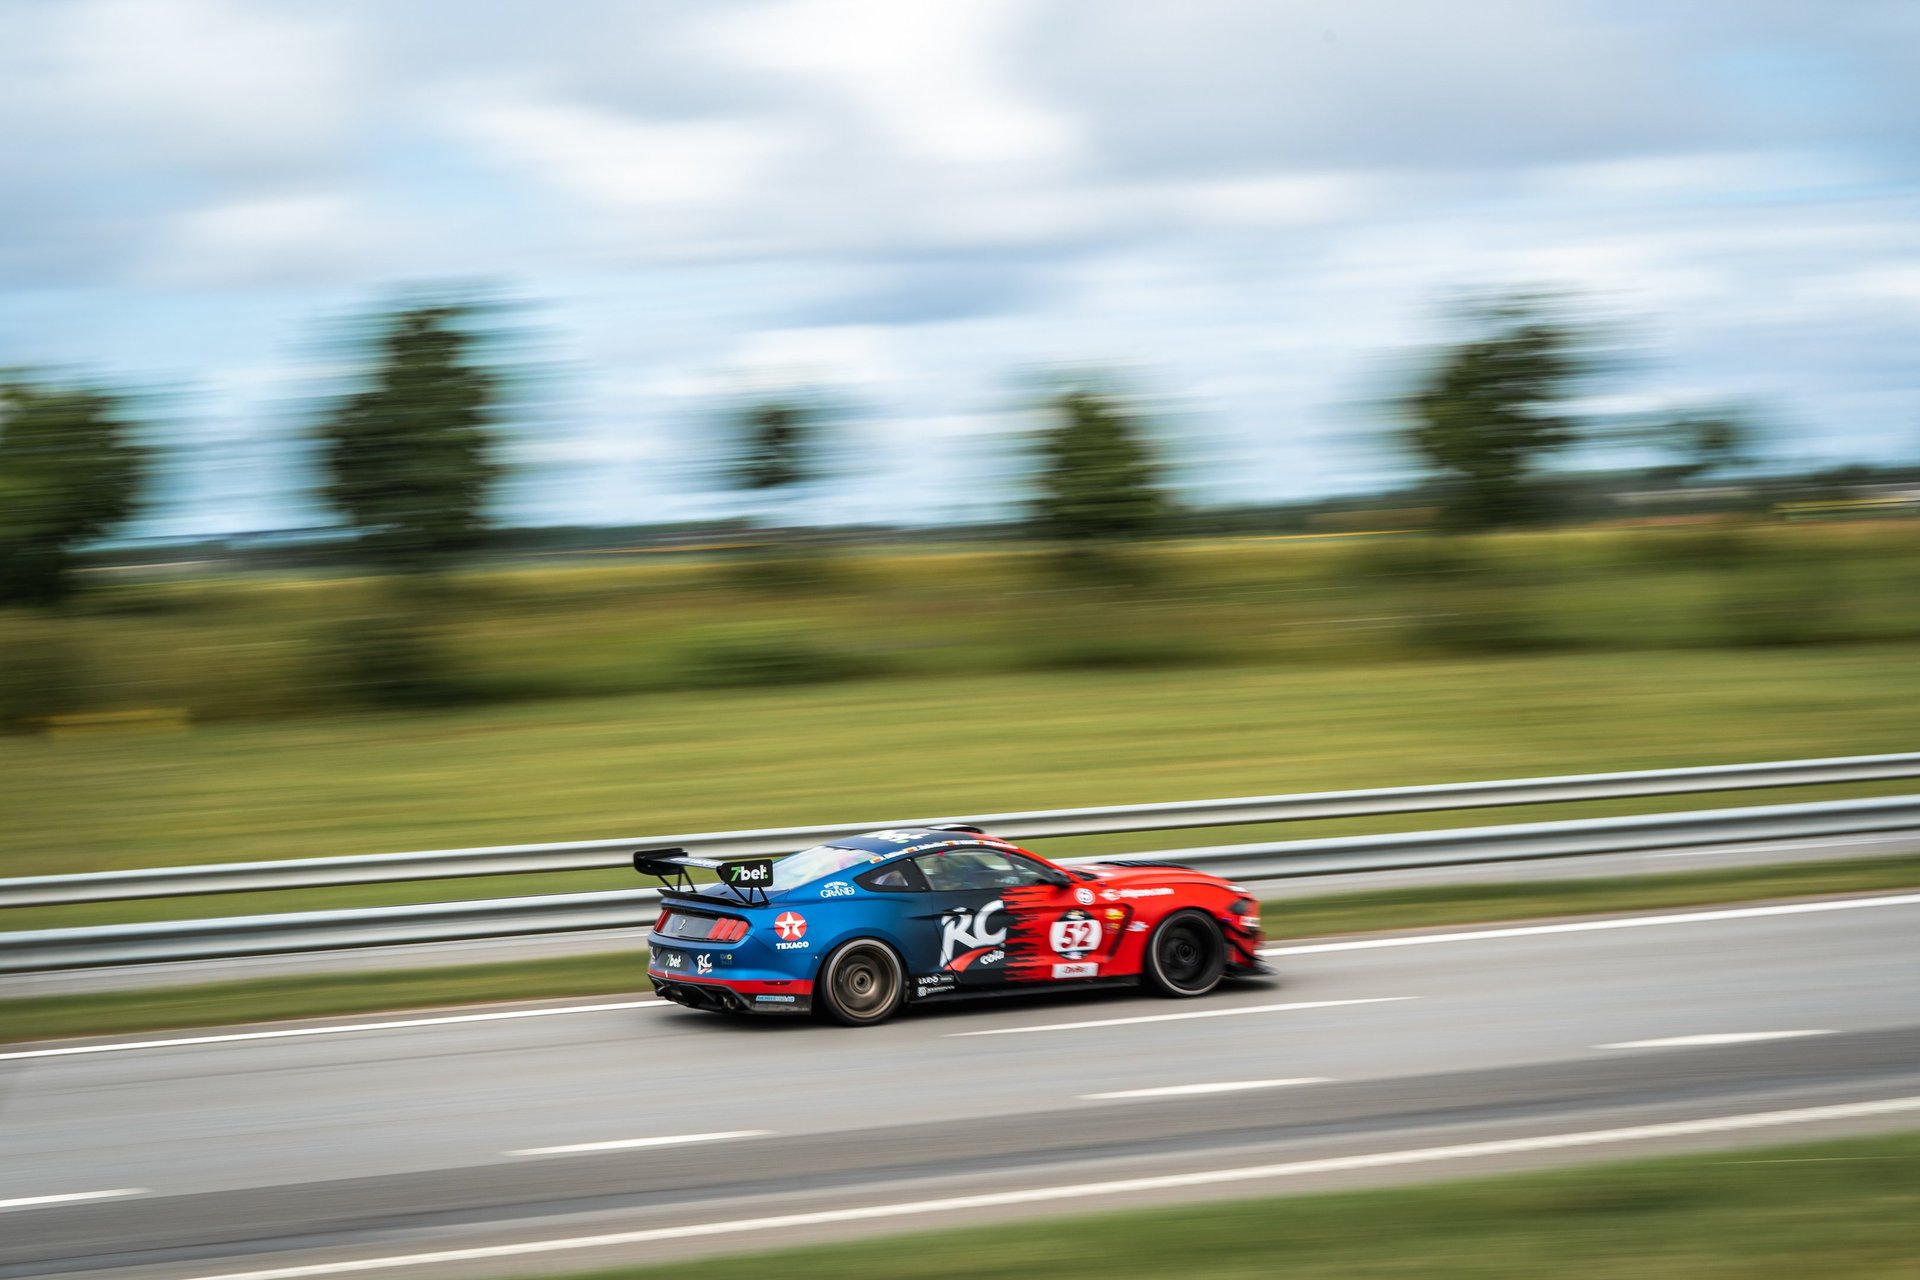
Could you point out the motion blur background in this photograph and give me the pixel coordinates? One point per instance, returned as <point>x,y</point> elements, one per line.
<point>439,425</point>
<point>1238,397</point>
<point>366,356</point>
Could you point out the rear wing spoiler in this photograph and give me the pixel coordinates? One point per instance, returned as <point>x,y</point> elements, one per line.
<point>747,878</point>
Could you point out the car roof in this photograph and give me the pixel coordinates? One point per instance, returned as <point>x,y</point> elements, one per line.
<point>910,840</point>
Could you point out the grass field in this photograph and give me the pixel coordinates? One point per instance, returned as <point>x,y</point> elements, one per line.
<point>264,647</point>
<point>671,694</point>
<point>323,995</point>
<point>1842,1210</point>
<point>717,760</point>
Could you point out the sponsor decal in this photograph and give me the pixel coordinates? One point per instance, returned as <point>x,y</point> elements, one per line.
<point>703,964</point>
<point>966,935</point>
<point>1249,923</point>
<point>932,984</point>
<point>791,946</point>
<point>1109,895</point>
<point>990,959</point>
<point>836,889</point>
<point>1114,915</point>
<point>1083,896</point>
<point>790,925</point>
<point>1083,969</point>
<point>897,837</point>
<point>674,959</point>
<point>1074,934</point>
<point>774,999</point>
<point>1139,893</point>
<point>1138,926</point>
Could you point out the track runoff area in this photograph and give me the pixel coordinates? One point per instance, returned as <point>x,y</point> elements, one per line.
<point>588,1133</point>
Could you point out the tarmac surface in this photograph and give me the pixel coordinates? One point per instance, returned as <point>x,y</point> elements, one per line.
<point>559,1137</point>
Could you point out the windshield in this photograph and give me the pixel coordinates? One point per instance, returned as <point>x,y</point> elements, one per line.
<point>822,860</point>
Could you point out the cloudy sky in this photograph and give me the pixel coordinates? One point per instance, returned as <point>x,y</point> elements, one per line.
<point>1253,207</point>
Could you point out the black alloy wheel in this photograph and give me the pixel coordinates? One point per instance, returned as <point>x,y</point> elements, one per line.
<point>860,984</point>
<point>1186,956</point>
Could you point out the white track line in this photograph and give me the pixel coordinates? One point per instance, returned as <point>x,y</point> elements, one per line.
<point>71,1197</point>
<point>1725,1037</point>
<point>1590,926</point>
<point>1175,1017</point>
<point>1182,1090</point>
<point>630,1144</point>
<point>1092,1190</point>
<point>336,1029</point>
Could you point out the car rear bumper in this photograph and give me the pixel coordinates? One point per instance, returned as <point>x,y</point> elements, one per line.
<point>734,997</point>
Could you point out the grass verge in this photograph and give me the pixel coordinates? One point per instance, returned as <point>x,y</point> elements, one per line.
<point>318,995</point>
<point>1842,1210</point>
<point>322,995</point>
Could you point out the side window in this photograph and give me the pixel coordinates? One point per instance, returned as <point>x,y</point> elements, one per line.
<point>957,870</point>
<point>895,877</point>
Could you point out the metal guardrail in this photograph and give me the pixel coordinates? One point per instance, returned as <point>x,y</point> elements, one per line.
<point>593,855</point>
<point>561,913</point>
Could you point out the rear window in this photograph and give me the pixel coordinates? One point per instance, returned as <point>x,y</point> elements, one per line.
<point>818,862</point>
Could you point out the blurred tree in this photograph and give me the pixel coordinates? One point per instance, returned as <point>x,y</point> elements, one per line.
<point>1486,413</point>
<point>1704,443</point>
<point>775,446</point>
<point>69,473</point>
<point>1099,481</point>
<point>777,441</point>
<point>410,459</point>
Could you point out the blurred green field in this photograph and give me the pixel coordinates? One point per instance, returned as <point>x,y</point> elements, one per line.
<point>1844,1210</point>
<point>267,646</point>
<point>662,694</point>
<point>724,759</point>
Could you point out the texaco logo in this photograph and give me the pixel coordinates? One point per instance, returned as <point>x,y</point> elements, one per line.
<point>790,925</point>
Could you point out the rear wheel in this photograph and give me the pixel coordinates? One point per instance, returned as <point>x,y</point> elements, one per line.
<point>860,984</point>
<point>1186,955</point>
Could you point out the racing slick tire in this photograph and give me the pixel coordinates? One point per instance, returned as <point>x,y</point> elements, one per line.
<point>860,984</point>
<point>1186,955</point>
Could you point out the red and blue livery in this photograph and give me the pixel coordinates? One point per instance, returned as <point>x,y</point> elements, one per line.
<point>855,929</point>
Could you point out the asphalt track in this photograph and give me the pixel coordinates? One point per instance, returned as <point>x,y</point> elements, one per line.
<point>554,1138</point>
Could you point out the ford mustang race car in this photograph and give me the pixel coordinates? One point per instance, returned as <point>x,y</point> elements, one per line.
<point>854,929</point>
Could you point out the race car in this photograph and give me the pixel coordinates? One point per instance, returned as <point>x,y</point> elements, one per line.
<point>857,928</point>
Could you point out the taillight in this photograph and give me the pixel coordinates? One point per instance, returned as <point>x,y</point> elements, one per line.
<point>697,926</point>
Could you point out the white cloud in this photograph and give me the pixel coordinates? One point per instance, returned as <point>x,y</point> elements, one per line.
<point>311,236</point>
<point>1281,200</point>
<point>830,356</point>
<point>928,75</point>
<point>205,81</point>
<point>615,160</point>
<point>1715,175</point>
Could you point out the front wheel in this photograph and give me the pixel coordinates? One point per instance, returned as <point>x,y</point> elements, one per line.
<point>860,984</point>
<point>1186,955</point>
